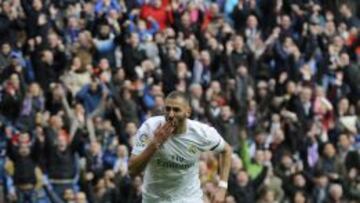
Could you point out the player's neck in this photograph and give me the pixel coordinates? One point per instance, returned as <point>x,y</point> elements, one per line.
<point>181,128</point>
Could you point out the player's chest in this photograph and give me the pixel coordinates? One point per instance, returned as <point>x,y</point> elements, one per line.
<point>183,151</point>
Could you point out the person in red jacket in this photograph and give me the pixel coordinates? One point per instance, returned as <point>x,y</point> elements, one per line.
<point>159,11</point>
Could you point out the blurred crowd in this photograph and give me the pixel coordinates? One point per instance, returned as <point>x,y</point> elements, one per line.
<point>279,79</point>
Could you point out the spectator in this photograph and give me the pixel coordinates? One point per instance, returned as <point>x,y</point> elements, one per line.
<point>5,56</point>
<point>91,95</point>
<point>336,193</point>
<point>77,76</point>
<point>321,188</point>
<point>105,44</point>
<point>12,97</point>
<point>105,6</point>
<point>26,173</point>
<point>141,28</point>
<point>244,188</point>
<point>133,55</point>
<point>157,10</point>
<point>32,104</point>
<point>59,149</point>
<point>330,163</point>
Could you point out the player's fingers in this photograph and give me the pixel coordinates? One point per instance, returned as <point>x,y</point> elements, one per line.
<point>165,129</point>
<point>160,126</point>
<point>168,127</point>
<point>168,124</point>
<point>169,132</point>
<point>159,129</point>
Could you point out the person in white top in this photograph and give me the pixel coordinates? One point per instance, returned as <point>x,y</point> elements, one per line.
<point>168,149</point>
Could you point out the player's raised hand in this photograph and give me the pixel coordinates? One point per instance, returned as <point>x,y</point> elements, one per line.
<point>163,132</point>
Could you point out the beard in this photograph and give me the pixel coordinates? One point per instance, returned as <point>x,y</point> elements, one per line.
<point>177,123</point>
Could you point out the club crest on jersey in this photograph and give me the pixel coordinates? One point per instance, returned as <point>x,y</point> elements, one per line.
<point>144,139</point>
<point>192,149</point>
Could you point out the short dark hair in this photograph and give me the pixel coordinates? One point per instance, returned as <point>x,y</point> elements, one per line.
<point>179,94</point>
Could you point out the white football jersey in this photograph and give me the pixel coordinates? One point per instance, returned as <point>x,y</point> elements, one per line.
<point>172,174</point>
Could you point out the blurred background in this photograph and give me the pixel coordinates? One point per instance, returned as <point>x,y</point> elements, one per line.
<point>279,80</point>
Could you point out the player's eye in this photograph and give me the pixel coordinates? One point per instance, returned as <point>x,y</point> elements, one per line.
<point>167,108</point>
<point>175,109</point>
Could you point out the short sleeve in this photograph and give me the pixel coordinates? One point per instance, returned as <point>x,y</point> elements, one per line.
<point>143,138</point>
<point>213,140</point>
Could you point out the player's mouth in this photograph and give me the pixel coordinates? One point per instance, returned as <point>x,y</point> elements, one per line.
<point>172,120</point>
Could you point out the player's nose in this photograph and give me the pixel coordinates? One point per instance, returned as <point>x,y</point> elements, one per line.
<point>171,114</point>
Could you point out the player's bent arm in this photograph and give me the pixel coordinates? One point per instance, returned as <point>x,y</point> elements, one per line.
<point>137,163</point>
<point>225,162</point>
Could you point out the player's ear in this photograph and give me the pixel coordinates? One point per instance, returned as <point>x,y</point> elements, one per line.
<point>188,112</point>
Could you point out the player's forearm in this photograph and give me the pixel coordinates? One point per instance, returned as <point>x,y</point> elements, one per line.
<point>138,163</point>
<point>225,162</point>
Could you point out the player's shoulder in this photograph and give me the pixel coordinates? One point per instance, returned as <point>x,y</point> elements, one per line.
<point>153,122</point>
<point>196,124</point>
<point>199,128</point>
